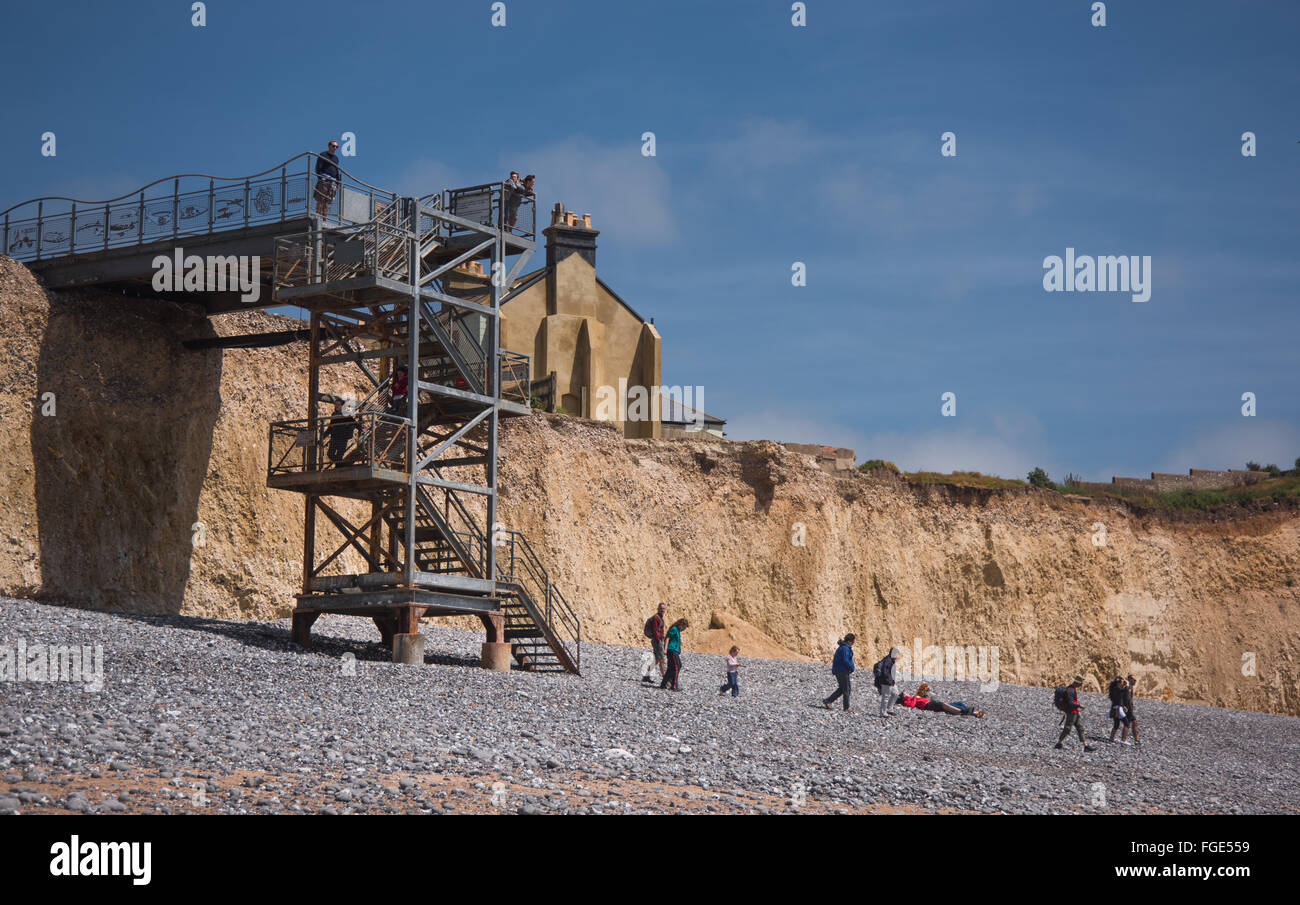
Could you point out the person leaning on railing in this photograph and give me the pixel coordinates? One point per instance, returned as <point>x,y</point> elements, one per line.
<point>515,192</point>
<point>342,425</point>
<point>327,178</point>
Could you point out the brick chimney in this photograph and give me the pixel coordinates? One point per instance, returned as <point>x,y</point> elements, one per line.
<point>570,234</point>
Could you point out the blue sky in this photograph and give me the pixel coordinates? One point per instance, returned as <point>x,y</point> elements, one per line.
<point>778,144</point>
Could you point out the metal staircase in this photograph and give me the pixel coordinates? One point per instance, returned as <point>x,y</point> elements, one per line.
<point>401,503</point>
<point>426,470</point>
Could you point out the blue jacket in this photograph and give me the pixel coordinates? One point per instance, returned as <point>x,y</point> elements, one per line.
<point>843,659</point>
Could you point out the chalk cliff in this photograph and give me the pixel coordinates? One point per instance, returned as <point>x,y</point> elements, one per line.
<point>140,486</point>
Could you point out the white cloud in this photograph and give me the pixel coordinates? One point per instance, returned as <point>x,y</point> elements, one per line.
<point>625,193</point>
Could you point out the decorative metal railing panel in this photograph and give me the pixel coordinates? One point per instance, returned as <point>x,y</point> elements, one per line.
<point>182,206</point>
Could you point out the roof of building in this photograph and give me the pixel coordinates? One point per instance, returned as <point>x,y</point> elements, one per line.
<point>674,411</point>
<point>532,277</point>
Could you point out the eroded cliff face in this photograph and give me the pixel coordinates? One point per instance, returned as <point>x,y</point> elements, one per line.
<point>1182,602</point>
<point>100,502</point>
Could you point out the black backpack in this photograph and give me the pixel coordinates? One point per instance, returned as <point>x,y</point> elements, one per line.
<point>880,672</point>
<point>650,627</point>
<point>1061,698</point>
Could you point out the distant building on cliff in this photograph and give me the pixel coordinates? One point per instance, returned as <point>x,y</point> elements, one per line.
<point>592,354</point>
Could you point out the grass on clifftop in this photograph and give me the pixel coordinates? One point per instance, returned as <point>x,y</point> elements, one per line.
<point>962,479</point>
<point>1268,489</point>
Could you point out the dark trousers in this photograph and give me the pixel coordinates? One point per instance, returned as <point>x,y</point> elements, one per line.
<point>733,682</point>
<point>674,667</point>
<point>845,681</point>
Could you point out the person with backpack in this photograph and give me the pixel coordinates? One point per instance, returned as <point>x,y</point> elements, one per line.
<point>885,676</point>
<point>674,654</point>
<point>1066,700</point>
<point>842,668</point>
<point>655,631</point>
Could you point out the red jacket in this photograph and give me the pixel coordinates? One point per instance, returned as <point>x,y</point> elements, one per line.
<point>657,625</point>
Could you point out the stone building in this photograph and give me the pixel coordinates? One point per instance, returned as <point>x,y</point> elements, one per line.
<point>592,353</point>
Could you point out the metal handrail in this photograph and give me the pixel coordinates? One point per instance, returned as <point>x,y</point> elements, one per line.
<point>555,606</point>
<point>143,188</point>
<point>364,438</point>
<point>53,226</point>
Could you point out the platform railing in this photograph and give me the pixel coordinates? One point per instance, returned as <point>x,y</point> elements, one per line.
<point>335,254</point>
<point>516,369</point>
<point>373,439</point>
<point>494,205</point>
<point>187,205</point>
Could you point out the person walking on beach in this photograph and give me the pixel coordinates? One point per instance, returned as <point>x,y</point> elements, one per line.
<point>885,676</point>
<point>1067,701</point>
<point>655,630</point>
<point>842,669</point>
<point>1126,702</point>
<point>733,673</point>
<point>674,654</point>
<point>1118,712</point>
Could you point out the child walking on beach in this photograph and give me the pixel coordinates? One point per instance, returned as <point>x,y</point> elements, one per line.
<point>733,673</point>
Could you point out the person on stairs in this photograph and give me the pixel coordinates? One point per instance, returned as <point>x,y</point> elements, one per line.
<point>397,392</point>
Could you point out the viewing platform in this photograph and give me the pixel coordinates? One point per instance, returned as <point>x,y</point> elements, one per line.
<point>113,243</point>
<point>400,486</point>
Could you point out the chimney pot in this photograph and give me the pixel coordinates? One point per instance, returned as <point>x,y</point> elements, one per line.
<point>586,220</point>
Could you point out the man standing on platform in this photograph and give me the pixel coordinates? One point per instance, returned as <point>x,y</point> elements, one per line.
<point>327,178</point>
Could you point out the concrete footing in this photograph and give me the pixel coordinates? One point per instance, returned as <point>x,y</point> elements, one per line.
<point>408,648</point>
<point>496,655</point>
